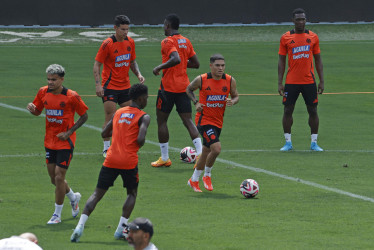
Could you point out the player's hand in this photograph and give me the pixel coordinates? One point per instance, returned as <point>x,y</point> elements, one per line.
<point>281,89</point>
<point>63,136</point>
<point>321,87</point>
<point>31,107</point>
<point>99,91</point>
<point>199,107</point>
<point>156,71</point>
<point>141,78</point>
<point>229,102</point>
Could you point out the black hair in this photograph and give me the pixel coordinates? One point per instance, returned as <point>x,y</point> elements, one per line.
<point>121,19</point>
<point>173,19</point>
<point>137,90</point>
<point>297,11</point>
<point>215,57</point>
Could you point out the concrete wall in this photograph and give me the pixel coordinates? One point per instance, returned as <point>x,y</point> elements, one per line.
<point>101,12</point>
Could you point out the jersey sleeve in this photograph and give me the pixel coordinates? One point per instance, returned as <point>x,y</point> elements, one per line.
<point>103,52</point>
<point>191,50</point>
<point>80,106</point>
<point>167,47</point>
<point>282,47</point>
<point>316,48</point>
<point>38,100</point>
<point>133,53</point>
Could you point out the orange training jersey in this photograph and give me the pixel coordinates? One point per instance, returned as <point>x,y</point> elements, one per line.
<point>175,79</point>
<point>122,154</point>
<point>213,95</point>
<point>116,57</point>
<point>59,111</point>
<point>300,49</point>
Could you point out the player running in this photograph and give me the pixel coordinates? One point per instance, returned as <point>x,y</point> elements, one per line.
<point>214,90</point>
<point>128,128</point>
<point>301,45</point>
<point>61,104</point>
<point>177,55</point>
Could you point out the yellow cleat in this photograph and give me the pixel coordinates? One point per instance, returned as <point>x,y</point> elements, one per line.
<point>161,163</point>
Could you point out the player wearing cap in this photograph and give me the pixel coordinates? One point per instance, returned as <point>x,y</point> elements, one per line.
<point>141,232</point>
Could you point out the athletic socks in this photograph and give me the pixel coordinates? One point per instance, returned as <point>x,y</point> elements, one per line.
<point>83,219</point>
<point>208,171</point>
<point>164,151</point>
<point>58,209</point>
<point>196,175</point>
<point>71,195</point>
<point>122,221</point>
<point>314,137</point>
<point>106,145</point>
<point>198,146</point>
<point>287,136</point>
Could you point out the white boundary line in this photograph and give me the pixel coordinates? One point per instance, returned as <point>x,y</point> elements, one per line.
<point>258,170</point>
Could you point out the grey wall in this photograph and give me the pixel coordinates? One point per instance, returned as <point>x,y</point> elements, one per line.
<point>100,12</point>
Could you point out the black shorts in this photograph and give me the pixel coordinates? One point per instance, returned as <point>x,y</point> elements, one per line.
<point>166,100</point>
<point>61,157</point>
<point>309,92</point>
<point>117,96</point>
<point>107,176</point>
<point>210,134</point>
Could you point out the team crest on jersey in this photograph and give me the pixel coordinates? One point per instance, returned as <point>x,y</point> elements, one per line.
<point>308,40</point>
<point>224,89</point>
<point>54,112</point>
<point>128,48</point>
<point>62,104</point>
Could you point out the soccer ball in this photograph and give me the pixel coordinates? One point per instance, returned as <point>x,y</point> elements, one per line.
<point>188,154</point>
<point>249,188</point>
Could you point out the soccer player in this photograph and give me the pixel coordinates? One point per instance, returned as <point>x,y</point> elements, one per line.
<point>301,45</point>
<point>128,129</point>
<point>177,55</point>
<point>141,232</point>
<point>117,54</point>
<point>61,104</point>
<point>214,90</point>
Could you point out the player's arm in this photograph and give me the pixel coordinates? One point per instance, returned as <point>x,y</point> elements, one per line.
<point>281,69</point>
<point>33,110</point>
<point>65,135</point>
<point>143,126</point>
<point>174,59</point>
<point>193,62</point>
<point>135,69</point>
<point>319,68</point>
<point>96,72</point>
<point>233,94</point>
<point>195,84</point>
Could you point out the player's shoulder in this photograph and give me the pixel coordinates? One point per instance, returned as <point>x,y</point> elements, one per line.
<point>107,42</point>
<point>43,90</point>
<point>130,39</point>
<point>311,33</point>
<point>167,40</point>
<point>287,34</point>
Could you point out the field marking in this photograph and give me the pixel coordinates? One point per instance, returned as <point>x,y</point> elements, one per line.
<point>254,169</point>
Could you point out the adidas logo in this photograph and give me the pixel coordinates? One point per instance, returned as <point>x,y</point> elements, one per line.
<point>116,51</point>
<point>63,163</point>
<point>208,88</point>
<point>292,41</point>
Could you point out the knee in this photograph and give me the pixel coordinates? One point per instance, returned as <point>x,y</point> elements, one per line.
<point>216,150</point>
<point>59,179</point>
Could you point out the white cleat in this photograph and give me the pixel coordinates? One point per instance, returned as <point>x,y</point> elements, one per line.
<point>75,205</point>
<point>55,219</point>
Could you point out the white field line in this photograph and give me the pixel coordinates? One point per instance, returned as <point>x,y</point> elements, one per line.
<point>259,170</point>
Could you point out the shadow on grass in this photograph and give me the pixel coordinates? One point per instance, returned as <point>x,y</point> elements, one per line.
<point>213,195</point>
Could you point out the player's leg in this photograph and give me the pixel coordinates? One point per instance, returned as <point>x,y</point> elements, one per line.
<point>130,182</point>
<point>292,92</point>
<point>164,105</point>
<point>183,105</point>
<point>109,110</point>
<point>311,101</point>
<point>106,179</point>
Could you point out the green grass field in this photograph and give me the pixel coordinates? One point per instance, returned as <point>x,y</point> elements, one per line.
<point>307,200</point>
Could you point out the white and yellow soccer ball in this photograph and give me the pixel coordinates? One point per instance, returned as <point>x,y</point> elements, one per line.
<point>188,154</point>
<point>249,188</point>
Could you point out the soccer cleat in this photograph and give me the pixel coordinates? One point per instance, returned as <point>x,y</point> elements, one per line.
<point>74,205</point>
<point>207,180</point>
<point>54,219</point>
<point>194,185</point>
<point>287,146</point>
<point>78,232</point>
<point>122,234</point>
<point>104,153</point>
<point>160,163</point>
<point>315,147</point>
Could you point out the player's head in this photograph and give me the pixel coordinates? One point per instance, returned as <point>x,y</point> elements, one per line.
<point>55,76</point>
<point>299,19</point>
<point>217,65</point>
<point>121,26</point>
<point>139,94</point>
<point>141,231</point>
<point>55,69</point>
<point>29,236</point>
<point>121,19</point>
<point>171,23</point>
